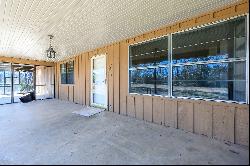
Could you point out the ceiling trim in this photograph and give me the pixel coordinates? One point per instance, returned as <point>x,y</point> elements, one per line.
<point>25,61</point>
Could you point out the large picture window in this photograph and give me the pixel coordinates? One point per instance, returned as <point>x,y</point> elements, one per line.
<point>210,63</point>
<point>205,63</point>
<point>67,72</point>
<point>149,67</point>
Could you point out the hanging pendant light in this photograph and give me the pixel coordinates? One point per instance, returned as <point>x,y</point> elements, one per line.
<point>51,53</point>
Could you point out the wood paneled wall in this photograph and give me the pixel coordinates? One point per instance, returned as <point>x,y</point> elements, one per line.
<point>44,82</point>
<point>229,122</point>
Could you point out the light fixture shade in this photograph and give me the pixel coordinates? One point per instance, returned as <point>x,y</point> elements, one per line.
<point>51,53</point>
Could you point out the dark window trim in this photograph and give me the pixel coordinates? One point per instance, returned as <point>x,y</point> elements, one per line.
<point>66,73</point>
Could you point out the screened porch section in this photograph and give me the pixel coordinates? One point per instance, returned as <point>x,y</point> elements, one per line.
<point>18,80</point>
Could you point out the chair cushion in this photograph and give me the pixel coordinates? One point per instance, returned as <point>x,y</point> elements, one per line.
<point>33,95</point>
<point>26,99</point>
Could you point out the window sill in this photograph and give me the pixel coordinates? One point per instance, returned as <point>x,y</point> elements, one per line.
<point>191,99</point>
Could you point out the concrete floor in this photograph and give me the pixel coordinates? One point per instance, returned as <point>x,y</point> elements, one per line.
<point>46,132</point>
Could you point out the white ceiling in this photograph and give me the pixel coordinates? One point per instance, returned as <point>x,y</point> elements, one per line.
<point>81,25</point>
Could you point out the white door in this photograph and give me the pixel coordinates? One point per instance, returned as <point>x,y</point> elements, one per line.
<point>98,82</point>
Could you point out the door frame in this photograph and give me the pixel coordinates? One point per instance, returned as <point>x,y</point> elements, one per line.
<point>91,81</point>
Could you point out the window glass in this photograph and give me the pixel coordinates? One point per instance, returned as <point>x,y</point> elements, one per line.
<point>1,77</point>
<point>7,80</point>
<point>70,72</point>
<point>63,74</point>
<point>148,67</point>
<point>8,77</point>
<point>16,78</point>
<point>7,90</point>
<point>221,41</point>
<point>67,73</point>
<point>211,62</point>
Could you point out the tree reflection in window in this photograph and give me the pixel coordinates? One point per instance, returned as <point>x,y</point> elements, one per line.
<point>211,62</point>
<point>149,67</point>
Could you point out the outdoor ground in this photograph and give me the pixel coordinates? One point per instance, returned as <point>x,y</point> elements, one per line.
<point>46,132</point>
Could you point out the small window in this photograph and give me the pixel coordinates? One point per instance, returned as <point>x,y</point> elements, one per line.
<point>67,73</point>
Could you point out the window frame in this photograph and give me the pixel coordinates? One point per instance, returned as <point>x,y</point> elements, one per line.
<point>66,73</point>
<point>170,58</point>
<point>247,58</point>
<point>128,60</point>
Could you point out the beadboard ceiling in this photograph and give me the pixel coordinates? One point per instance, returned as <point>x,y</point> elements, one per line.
<point>82,25</point>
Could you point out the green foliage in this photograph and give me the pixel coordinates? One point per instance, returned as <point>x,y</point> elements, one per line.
<point>25,87</point>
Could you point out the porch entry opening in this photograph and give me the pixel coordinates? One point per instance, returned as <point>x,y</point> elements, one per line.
<point>23,80</point>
